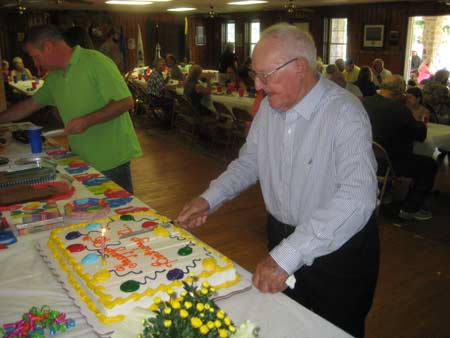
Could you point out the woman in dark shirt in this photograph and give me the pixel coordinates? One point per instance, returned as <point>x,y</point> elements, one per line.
<point>193,90</point>
<point>364,82</point>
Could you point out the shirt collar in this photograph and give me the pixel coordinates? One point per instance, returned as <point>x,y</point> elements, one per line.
<point>306,106</point>
<point>74,58</point>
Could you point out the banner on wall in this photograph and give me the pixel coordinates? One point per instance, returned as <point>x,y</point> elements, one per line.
<point>140,49</point>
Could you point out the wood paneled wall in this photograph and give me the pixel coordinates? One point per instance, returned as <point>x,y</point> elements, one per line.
<point>393,15</point>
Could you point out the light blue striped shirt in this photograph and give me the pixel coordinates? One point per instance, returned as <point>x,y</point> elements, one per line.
<point>316,168</point>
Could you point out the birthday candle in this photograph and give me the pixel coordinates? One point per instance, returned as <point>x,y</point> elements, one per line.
<point>103,243</point>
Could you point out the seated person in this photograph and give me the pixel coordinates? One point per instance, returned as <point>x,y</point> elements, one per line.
<point>175,72</point>
<point>351,71</point>
<point>436,96</point>
<point>196,92</point>
<point>338,78</point>
<point>379,72</point>
<point>245,73</point>
<point>394,127</point>
<point>159,97</point>
<point>414,103</point>
<point>364,82</point>
<point>233,78</point>
<point>19,70</point>
<point>340,64</point>
<point>5,71</point>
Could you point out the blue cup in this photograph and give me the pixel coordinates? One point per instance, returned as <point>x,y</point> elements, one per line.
<point>15,79</point>
<point>34,134</point>
<point>24,77</point>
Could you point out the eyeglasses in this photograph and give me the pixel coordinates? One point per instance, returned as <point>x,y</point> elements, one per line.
<point>264,77</point>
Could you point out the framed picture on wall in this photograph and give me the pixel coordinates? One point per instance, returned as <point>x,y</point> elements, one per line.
<point>373,36</point>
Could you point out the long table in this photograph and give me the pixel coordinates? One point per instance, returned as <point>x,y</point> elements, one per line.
<point>26,280</point>
<point>438,136</point>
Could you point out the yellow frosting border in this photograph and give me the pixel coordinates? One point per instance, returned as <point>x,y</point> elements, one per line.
<point>57,247</point>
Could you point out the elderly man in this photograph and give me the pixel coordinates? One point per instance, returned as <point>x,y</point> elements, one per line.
<point>379,72</point>
<point>394,127</point>
<point>92,98</point>
<point>158,91</point>
<point>310,147</point>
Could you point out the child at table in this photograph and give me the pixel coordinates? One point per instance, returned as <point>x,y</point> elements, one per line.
<point>20,71</point>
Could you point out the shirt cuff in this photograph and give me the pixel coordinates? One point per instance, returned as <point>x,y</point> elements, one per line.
<point>286,257</point>
<point>214,197</point>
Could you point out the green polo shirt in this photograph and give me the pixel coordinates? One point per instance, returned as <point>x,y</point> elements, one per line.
<point>90,81</point>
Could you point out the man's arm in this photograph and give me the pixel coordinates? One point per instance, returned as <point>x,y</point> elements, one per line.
<point>108,112</point>
<point>20,110</point>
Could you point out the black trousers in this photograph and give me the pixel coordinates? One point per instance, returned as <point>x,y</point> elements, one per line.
<point>339,286</point>
<point>422,169</point>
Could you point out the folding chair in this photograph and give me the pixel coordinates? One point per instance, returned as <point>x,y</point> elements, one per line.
<point>385,173</point>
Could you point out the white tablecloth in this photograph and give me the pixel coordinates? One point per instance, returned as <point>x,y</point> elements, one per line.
<point>438,136</point>
<point>26,87</point>
<point>26,280</point>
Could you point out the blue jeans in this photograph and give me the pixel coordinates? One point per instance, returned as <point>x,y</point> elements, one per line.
<point>121,175</point>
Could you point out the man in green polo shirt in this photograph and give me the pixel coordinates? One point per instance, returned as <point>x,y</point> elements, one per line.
<point>92,98</point>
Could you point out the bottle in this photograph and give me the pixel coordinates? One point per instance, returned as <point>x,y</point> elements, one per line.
<point>24,77</point>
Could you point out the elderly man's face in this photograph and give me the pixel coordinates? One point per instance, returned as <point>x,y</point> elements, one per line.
<point>41,58</point>
<point>283,86</point>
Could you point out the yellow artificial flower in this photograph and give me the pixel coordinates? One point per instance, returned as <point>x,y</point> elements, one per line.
<point>232,328</point>
<point>183,293</point>
<point>170,291</point>
<point>187,304</point>
<point>168,310</point>
<point>227,320</point>
<point>200,307</point>
<point>217,323</point>
<point>154,307</point>
<point>167,323</point>
<point>175,304</point>
<point>223,333</point>
<point>211,309</point>
<point>204,329</point>
<point>212,290</point>
<point>196,322</point>
<point>220,314</point>
<point>210,325</point>
<point>157,300</point>
<point>205,284</point>
<point>204,291</point>
<point>183,313</point>
<point>207,306</point>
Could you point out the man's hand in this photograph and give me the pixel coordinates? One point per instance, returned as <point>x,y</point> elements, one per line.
<point>194,213</point>
<point>269,276</point>
<point>76,126</point>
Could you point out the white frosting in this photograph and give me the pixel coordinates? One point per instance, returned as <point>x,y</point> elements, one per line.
<point>145,259</point>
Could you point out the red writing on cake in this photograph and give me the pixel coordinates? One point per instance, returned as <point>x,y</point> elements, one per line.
<point>121,254</point>
<point>159,260</point>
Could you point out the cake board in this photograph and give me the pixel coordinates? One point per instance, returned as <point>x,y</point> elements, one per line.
<point>107,330</point>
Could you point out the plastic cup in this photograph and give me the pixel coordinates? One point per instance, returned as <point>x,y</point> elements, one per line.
<point>34,134</point>
<point>219,89</point>
<point>140,76</point>
<point>241,92</point>
<point>34,85</point>
<point>15,79</point>
<point>24,77</point>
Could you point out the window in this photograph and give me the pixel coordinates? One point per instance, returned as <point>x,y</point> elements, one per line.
<point>254,34</point>
<point>336,39</point>
<point>229,35</point>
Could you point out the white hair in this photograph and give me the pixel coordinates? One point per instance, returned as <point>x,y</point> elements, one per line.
<point>297,43</point>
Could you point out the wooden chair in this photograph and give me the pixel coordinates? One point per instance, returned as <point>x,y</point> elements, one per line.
<point>385,173</point>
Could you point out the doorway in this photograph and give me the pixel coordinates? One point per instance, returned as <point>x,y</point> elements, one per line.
<point>429,37</point>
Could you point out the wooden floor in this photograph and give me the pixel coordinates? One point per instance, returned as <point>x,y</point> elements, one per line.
<point>413,293</point>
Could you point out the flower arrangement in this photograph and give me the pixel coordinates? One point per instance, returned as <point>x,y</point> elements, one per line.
<point>193,314</point>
